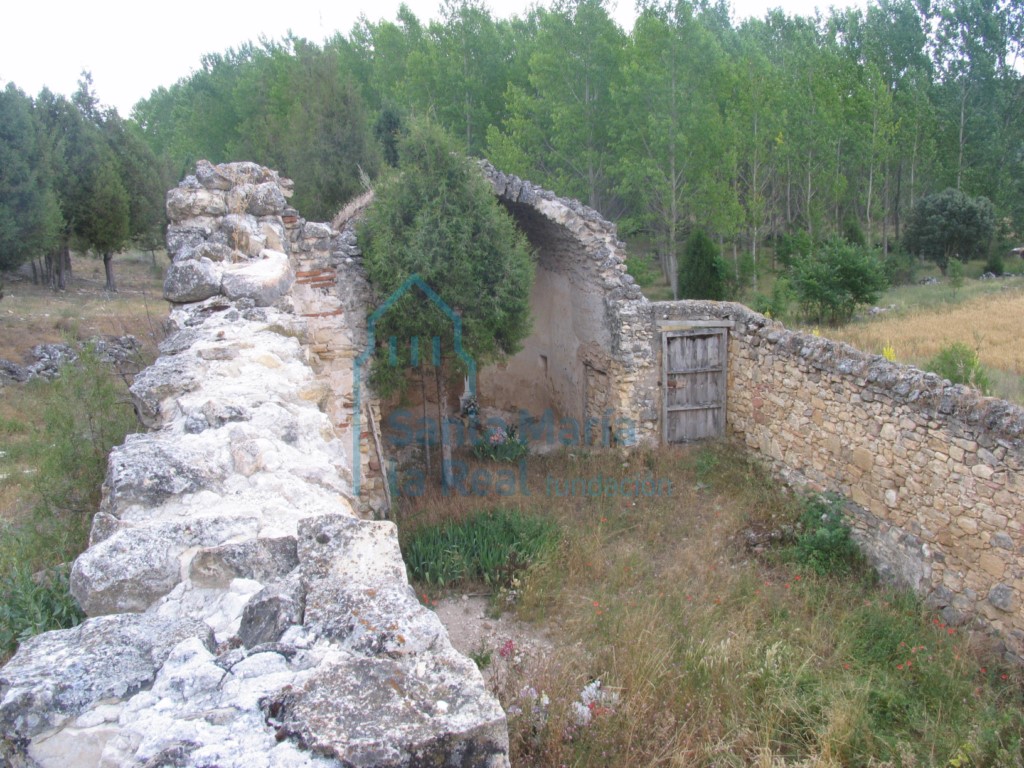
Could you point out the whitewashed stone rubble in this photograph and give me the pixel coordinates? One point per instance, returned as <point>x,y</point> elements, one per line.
<point>242,613</point>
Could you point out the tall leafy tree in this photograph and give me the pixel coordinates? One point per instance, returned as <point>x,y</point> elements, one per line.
<point>558,128</point>
<point>782,124</point>
<point>141,176</point>
<point>671,130</point>
<point>105,223</point>
<point>460,76</point>
<point>329,143</point>
<point>88,178</point>
<point>436,217</point>
<point>756,124</point>
<point>835,278</point>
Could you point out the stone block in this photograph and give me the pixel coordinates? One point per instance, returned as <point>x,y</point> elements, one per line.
<point>264,281</point>
<point>135,566</point>
<point>192,280</point>
<point>982,471</point>
<point>270,613</point>
<point>388,713</point>
<point>59,675</point>
<point>185,203</point>
<point>212,177</point>
<point>1002,597</point>
<point>353,551</point>
<point>266,200</point>
<point>263,559</point>
<point>863,459</point>
<point>992,564</point>
<point>967,524</point>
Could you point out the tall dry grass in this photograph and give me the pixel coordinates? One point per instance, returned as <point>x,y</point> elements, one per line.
<point>989,323</point>
<point>718,656</point>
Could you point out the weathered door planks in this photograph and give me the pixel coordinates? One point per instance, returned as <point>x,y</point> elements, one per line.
<point>694,376</point>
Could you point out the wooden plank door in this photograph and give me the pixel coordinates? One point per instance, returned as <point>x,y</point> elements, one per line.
<point>693,384</point>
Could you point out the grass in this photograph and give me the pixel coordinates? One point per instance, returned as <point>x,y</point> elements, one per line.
<point>718,657</point>
<point>55,436</point>
<point>33,314</point>
<point>492,547</point>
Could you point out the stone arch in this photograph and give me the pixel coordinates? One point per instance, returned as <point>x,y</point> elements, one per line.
<point>590,350</point>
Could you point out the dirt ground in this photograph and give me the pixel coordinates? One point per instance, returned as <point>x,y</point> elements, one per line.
<point>33,314</point>
<point>508,650</point>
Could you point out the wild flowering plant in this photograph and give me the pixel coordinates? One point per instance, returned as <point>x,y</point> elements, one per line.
<point>531,705</point>
<point>531,709</point>
<point>594,701</point>
<point>501,443</point>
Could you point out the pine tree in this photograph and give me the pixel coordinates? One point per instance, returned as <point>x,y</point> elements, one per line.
<point>701,272</point>
<point>435,216</point>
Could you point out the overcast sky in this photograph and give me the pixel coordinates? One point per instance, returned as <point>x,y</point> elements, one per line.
<point>133,48</point>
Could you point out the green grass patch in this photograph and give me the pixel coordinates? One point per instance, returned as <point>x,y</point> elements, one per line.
<point>34,603</point>
<point>55,461</point>
<point>491,547</point>
<point>939,296</point>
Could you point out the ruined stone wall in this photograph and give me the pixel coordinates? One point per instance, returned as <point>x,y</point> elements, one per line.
<point>935,472</point>
<point>590,347</point>
<point>241,612</point>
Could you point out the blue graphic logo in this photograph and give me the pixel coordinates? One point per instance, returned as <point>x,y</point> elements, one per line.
<point>371,344</point>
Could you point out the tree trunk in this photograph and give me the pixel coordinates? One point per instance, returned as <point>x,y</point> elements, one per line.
<point>426,432</point>
<point>789,197</point>
<point>447,476</point>
<point>35,271</point>
<point>63,262</point>
<point>108,268</point>
<point>962,138</point>
<point>886,199</point>
<point>896,201</point>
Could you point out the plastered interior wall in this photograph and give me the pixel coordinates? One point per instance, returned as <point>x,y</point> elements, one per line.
<point>568,334</point>
<point>589,345</point>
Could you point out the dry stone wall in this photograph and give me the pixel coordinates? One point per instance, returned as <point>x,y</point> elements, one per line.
<point>241,611</point>
<point>934,472</point>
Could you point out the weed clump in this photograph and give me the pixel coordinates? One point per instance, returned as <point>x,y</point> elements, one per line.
<point>34,603</point>
<point>960,364</point>
<point>824,544</point>
<point>492,546</point>
<point>501,444</point>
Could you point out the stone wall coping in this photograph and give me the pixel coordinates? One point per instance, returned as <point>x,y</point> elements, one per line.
<point>905,384</point>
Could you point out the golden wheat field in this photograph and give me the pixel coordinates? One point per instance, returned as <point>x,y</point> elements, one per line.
<point>991,324</point>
